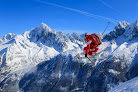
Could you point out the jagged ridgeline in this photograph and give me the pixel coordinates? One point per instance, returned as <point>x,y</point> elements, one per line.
<point>43,60</point>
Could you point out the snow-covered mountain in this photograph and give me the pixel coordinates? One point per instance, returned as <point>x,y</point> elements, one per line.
<point>43,60</point>
<point>20,53</point>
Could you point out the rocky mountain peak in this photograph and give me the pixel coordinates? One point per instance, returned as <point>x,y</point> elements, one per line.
<point>124,29</point>
<point>135,30</point>
<point>40,32</point>
<point>122,24</point>
<point>7,37</point>
<point>136,23</point>
<point>43,26</point>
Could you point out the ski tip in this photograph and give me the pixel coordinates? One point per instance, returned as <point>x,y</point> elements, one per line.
<point>105,58</point>
<point>81,65</point>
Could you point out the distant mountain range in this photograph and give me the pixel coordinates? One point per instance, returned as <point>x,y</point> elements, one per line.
<point>43,60</point>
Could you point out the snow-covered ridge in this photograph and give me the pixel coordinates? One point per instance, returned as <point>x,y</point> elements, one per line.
<point>60,41</point>
<point>7,37</point>
<point>123,24</point>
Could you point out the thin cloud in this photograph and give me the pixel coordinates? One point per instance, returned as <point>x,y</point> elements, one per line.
<point>81,12</point>
<point>109,5</point>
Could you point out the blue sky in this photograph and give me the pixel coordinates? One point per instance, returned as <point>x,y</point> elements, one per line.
<point>80,16</point>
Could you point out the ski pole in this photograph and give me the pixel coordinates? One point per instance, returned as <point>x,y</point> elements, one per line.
<point>106,28</point>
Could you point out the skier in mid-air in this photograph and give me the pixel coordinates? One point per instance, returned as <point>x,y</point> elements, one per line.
<point>93,42</point>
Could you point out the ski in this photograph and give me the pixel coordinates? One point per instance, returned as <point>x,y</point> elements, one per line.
<point>91,60</point>
<point>100,51</point>
<point>103,57</point>
<point>94,56</point>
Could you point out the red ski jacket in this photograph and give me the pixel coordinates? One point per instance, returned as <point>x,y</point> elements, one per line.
<point>92,46</point>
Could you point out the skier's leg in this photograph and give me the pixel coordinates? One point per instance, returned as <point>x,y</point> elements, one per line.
<point>91,53</point>
<point>86,51</point>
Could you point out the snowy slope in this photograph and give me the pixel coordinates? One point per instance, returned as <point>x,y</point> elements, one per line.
<point>20,53</point>
<point>21,50</point>
<point>129,86</point>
